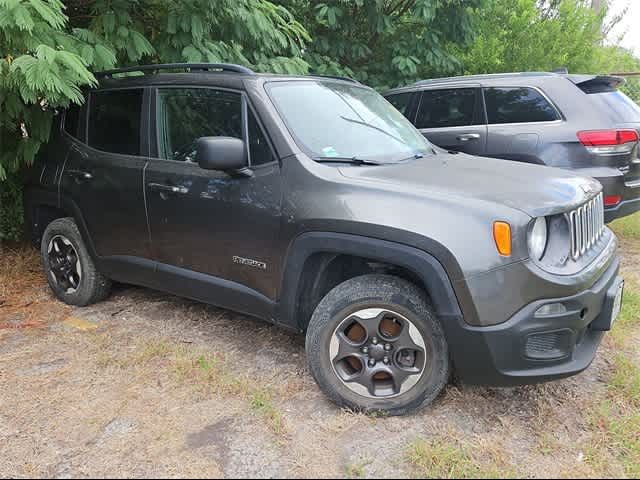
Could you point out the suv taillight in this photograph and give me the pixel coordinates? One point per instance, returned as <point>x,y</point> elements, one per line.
<point>609,142</point>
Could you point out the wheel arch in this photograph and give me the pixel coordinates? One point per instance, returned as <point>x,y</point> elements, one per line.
<point>318,261</point>
<point>41,207</point>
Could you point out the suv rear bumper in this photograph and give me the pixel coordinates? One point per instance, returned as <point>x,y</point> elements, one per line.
<point>624,208</point>
<point>527,349</point>
<point>628,190</point>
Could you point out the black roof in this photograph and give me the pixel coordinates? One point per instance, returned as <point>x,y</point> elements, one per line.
<point>224,74</point>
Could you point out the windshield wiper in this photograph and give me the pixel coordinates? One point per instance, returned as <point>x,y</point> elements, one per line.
<point>415,156</point>
<point>365,124</point>
<point>352,160</point>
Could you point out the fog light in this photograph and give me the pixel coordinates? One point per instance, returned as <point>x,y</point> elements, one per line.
<point>551,310</point>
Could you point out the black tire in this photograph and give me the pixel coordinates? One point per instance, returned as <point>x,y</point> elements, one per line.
<point>92,286</point>
<point>384,292</point>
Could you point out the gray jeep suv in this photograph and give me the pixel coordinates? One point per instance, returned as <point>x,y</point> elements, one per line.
<point>578,122</point>
<point>312,203</point>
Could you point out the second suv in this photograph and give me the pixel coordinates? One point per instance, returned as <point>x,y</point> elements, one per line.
<point>579,122</point>
<point>312,203</point>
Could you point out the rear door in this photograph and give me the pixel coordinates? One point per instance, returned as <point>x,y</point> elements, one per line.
<point>102,177</point>
<point>453,118</point>
<point>519,119</point>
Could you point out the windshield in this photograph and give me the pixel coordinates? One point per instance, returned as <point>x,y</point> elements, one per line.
<point>336,120</point>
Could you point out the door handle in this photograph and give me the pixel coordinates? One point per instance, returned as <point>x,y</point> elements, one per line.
<point>465,137</point>
<point>80,174</point>
<point>159,187</point>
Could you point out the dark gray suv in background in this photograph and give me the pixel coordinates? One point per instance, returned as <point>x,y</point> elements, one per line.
<point>312,203</point>
<point>579,122</point>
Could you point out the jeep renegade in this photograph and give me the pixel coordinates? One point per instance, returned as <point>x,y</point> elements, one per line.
<point>312,203</point>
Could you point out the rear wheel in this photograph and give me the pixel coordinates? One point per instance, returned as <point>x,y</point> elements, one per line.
<point>70,270</point>
<point>374,344</point>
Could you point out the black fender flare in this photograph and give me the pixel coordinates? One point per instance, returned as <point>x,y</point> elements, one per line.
<point>424,265</point>
<point>35,197</point>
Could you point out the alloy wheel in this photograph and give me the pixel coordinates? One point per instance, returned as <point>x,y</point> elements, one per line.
<point>64,262</point>
<point>378,353</point>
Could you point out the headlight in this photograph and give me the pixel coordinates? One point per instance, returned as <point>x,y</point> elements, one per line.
<point>538,238</point>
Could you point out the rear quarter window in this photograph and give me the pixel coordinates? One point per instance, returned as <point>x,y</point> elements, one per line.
<point>518,105</point>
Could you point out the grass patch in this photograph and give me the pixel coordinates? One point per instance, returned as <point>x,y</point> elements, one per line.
<point>208,373</point>
<point>616,421</point>
<point>450,459</point>
<point>629,318</point>
<point>212,374</point>
<point>628,227</point>
<point>624,386</point>
<point>262,403</point>
<point>616,437</point>
<point>354,471</point>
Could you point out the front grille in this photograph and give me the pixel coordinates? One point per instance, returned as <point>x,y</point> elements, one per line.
<point>587,226</point>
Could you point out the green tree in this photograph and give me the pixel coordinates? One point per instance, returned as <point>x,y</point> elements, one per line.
<point>534,35</point>
<point>385,42</point>
<point>48,50</point>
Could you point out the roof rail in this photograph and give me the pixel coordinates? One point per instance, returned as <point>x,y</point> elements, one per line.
<point>197,67</point>
<point>335,77</point>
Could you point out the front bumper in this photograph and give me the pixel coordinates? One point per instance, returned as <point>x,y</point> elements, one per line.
<point>527,349</point>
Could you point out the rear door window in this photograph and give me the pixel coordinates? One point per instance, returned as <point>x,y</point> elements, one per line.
<point>518,105</point>
<point>454,107</point>
<point>115,120</point>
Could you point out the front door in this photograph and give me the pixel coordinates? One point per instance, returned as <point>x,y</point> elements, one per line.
<point>102,177</point>
<point>211,225</point>
<point>453,118</point>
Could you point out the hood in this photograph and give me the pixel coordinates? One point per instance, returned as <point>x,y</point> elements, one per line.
<point>533,189</point>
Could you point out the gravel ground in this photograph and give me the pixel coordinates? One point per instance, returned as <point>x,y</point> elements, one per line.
<point>150,385</point>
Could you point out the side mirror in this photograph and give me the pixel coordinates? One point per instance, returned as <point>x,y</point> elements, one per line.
<point>221,153</point>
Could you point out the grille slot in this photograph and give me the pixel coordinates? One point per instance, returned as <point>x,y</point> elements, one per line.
<point>548,346</point>
<point>587,226</point>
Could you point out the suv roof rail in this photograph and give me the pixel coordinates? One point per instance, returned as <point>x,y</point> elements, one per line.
<point>335,77</point>
<point>198,67</point>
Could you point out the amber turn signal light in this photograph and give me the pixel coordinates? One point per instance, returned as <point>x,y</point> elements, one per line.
<point>502,237</point>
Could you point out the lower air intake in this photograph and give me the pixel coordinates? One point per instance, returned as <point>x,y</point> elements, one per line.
<point>548,346</point>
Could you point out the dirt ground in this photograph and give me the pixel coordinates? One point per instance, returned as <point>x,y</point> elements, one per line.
<point>151,385</point>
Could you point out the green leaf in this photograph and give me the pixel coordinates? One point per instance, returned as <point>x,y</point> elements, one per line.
<point>54,18</point>
<point>192,54</point>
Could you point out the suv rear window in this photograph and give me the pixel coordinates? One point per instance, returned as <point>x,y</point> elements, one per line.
<point>625,109</point>
<point>518,105</point>
<point>114,121</point>
<point>454,107</point>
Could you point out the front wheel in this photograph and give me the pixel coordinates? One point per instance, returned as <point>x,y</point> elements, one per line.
<point>374,344</point>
